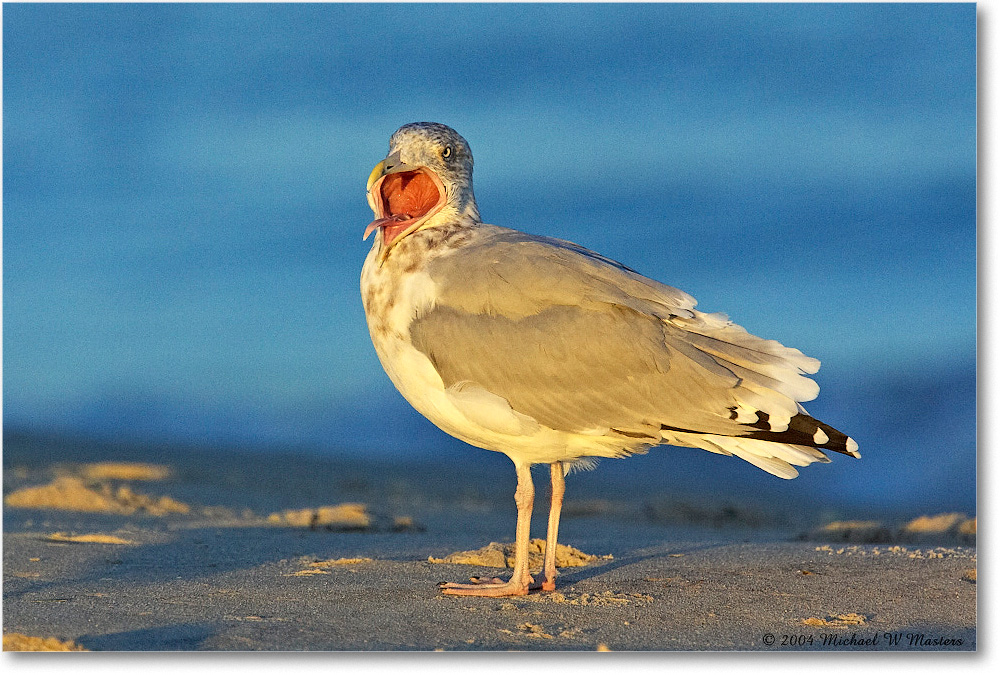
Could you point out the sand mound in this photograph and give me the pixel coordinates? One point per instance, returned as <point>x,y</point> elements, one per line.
<point>954,528</point>
<point>837,621</point>
<point>502,555</point>
<point>18,642</point>
<point>344,517</point>
<point>320,566</point>
<point>124,471</point>
<point>339,517</point>
<point>88,538</point>
<point>70,493</point>
<point>339,561</point>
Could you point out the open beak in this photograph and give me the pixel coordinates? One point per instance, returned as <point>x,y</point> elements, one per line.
<point>402,196</point>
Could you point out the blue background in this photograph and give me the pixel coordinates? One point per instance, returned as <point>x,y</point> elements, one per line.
<point>184,202</point>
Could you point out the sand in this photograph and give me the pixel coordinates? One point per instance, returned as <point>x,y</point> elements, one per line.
<point>496,554</point>
<point>76,493</point>
<point>222,550</point>
<point>943,527</point>
<point>16,642</point>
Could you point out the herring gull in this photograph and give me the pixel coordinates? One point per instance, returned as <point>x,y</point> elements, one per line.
<point>553,354</point>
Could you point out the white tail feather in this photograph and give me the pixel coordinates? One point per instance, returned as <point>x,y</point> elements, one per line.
<point>775,458</point>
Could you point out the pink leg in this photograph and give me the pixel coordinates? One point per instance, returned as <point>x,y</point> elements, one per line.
<point>520,580</point>
<point>558,489</point>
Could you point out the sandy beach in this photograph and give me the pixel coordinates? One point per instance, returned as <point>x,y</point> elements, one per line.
<point>134,547</point>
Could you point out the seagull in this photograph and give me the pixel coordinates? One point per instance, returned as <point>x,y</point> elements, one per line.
<point>553,354</point>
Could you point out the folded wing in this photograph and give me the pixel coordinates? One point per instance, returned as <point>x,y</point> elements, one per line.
<point>584,345</point>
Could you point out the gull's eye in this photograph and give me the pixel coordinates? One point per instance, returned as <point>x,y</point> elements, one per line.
<point>446,153</point>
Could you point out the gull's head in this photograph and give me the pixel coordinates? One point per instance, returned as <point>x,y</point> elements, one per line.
<point>424,181</point>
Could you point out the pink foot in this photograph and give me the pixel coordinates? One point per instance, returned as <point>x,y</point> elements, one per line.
<point>492,588</point>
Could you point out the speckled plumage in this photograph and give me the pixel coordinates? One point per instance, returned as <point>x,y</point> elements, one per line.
<point>550,353</point>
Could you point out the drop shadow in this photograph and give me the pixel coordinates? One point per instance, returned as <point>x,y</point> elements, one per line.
<point>580,574</point>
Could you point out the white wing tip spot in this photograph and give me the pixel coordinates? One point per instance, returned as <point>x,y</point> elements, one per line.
<point>820,437</point>
<point>852,448</point>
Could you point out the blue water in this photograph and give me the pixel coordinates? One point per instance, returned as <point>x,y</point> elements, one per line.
<point>184,200</point>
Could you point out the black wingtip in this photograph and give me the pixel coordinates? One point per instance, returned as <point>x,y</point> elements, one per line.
<point>804,430</point>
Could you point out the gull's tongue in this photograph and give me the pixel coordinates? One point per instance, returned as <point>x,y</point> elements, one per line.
<point>391,231</point>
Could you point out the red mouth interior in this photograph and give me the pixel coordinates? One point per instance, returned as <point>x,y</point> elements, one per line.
<point>408,193</point>
<point>405,197</point>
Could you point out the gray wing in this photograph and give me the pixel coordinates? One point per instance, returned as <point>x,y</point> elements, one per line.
<point>582,344</point>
